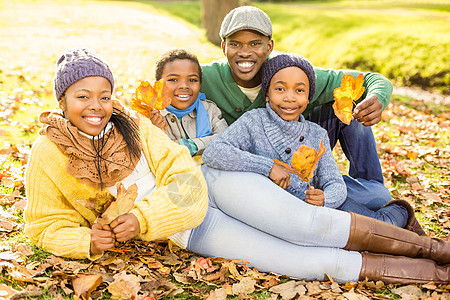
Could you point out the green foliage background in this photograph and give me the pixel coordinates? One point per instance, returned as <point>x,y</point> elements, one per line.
<point>407,41</point>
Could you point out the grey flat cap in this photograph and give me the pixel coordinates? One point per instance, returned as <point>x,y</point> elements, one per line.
<point>245,18</point>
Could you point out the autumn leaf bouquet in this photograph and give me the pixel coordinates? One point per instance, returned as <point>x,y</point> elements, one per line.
<point>351,89</point>
<point>107,207</point>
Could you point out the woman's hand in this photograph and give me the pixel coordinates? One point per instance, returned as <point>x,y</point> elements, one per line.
<point>158,120</point>
<point>280,176</point>
<point>315,197</point>
<point>125,227</point>
<point>102,239</point>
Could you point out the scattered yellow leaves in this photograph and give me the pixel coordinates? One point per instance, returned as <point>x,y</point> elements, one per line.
<point>351,89</point>
<point>304,162</point>
<point>150,97</point>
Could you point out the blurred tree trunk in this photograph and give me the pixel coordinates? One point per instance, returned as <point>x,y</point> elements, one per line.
<point>213,12</point>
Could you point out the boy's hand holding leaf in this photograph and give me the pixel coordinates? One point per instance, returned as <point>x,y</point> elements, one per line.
<point>351,89</point>
<point>314,197</point>
<point>304,162</point>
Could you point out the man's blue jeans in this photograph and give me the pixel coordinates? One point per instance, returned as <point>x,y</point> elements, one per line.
<point>366,193</point>
<point>358,143</point>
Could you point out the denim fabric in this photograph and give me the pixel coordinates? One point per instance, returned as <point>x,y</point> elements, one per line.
<point>357,142</point>
<point>370,193</point>
<point>251,218</point>
<point>367,197</point>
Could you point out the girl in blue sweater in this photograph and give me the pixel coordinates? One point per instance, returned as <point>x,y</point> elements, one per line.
<point>261,135</point>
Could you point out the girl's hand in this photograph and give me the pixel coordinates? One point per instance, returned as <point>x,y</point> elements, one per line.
<point>158,120</point>
<point>280,176</point>
<point>125,227</point>
<point>102,239</point>
<point>315,197</point>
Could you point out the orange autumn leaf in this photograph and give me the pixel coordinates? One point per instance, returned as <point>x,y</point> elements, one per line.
<point>351,89</point>
<point>304,162</point>
<point>162,98</point>
<point>150,97</point>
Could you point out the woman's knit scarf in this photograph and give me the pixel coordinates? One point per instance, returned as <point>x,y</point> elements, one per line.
<point>98,161</point>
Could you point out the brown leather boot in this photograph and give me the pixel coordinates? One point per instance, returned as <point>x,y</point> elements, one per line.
<point>401,269</point>
<point>412,223</point>
<point>368,234</point>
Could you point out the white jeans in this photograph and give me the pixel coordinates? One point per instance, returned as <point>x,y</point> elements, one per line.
<point>251,218</point>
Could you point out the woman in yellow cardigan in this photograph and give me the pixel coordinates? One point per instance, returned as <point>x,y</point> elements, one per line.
<point>87,146</point>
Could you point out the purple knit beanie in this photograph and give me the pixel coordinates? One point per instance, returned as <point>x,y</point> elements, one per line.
<point>281,61</point>
<point>76,64</point>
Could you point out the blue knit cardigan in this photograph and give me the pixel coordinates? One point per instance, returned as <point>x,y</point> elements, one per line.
<point>252,142</point>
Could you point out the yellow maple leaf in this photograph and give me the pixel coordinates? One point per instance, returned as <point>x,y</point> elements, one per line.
<point>304,162</point>
<point>150,97</point>
<point>351,89</point>
<point>123,204</point>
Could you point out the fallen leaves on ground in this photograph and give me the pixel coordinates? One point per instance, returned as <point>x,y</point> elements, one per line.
<point>415,161</point>
<point>351,89</point>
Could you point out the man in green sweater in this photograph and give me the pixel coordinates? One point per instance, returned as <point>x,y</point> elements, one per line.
<point>234,84</point>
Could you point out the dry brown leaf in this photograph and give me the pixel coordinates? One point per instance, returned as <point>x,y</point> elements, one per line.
<point>289,290</point>
<point>351,89</point>
<point>84,285</point>
<point>351,295</point>
<point>313,288</point>
<point>124,287</point>
<point>24,249</point>
<point>217,294</point>
<point>409,292</point>
<point>122,205</point>
<point>99,203</point>
<point>244,287</point>
<point>6,292</point>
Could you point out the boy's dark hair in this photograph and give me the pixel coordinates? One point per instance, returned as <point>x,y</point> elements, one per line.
<point>172,55</point>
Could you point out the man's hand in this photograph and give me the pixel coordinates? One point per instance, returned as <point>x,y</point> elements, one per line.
<point>102,239</point>
<point>158,120</point>
<point>368,111</point>
<point>125,227</point>
<point>315,197</point>
<point>280,176</point>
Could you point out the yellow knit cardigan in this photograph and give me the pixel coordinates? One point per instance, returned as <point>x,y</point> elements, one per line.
<point>59,224</point>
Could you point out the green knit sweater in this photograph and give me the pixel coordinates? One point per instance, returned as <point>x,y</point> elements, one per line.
<point>220,87</point>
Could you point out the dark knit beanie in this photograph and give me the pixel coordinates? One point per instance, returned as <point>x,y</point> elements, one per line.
<point>76,64</point>
<point>281,61</point>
